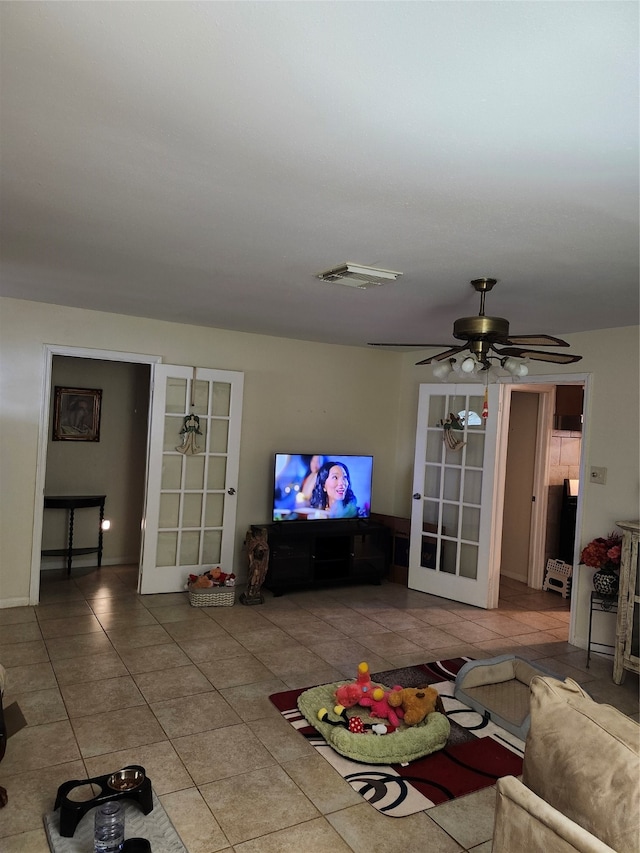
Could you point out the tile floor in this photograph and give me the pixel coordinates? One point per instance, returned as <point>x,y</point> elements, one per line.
<point>106,678</point>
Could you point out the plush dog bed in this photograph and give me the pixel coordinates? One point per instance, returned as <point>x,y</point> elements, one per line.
<point>500,687</point>
<point>405,744</point>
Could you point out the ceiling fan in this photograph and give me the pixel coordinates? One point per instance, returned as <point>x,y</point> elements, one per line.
<point>488,339</point>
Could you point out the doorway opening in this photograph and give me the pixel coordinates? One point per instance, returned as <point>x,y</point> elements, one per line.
<point>543,469</point>
<point>68,467</point>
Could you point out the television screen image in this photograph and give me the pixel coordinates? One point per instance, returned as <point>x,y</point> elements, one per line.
<point>314,487</point>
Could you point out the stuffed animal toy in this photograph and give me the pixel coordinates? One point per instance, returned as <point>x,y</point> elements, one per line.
<point>200,581</point>
<point>212,577</point>
<point>353,724</point>
<point>417,703</point>
<point>378,703</point>
<point>351,694</point>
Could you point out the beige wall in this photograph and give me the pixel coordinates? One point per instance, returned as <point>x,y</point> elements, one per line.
<point>302,394</point>
<point>297,396</point>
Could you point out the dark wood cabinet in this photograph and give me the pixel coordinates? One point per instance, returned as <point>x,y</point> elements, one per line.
<point>312,554</point>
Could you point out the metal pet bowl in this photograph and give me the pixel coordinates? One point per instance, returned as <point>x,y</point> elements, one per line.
<point>126,780</point>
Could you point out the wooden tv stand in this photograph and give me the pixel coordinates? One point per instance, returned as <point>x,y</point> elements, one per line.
<point>307,554</point>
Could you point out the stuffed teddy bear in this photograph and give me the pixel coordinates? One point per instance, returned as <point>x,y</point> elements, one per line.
<point>212,577</point>
<point>417,703</point>
<point>200,581</point>
<point>378,703</point>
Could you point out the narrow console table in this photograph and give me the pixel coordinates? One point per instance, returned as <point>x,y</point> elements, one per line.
<point>72,503</point>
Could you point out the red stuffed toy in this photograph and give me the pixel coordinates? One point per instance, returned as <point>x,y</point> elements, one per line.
<point>352,694</point>
<point>378,703</point>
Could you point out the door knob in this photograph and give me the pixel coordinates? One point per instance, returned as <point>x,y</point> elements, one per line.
<point>231,491</point>
<point>417,496</point>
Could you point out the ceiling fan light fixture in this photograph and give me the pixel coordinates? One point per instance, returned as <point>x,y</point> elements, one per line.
<point>358,275</point>
<point>514,366</point>
<point>442,369</point>
<point>489,345</point>
<point>469,365</point>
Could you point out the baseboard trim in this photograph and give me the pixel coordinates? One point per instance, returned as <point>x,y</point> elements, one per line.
<point>13,602</point>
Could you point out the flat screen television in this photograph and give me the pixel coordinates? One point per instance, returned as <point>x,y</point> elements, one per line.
<point>315,487</point>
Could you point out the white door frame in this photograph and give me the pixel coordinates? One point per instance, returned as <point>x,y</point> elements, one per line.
<point>49,351</point>
<point>544,418</point>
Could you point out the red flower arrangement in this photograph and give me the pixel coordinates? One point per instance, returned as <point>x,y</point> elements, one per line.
<point>603,552</point>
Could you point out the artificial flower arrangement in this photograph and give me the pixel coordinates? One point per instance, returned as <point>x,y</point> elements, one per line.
<point>603,552</point>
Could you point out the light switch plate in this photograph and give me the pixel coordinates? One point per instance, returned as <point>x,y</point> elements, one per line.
<point>598,475</point>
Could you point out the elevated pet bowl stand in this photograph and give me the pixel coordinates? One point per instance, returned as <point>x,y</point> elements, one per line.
<point>72,812</point>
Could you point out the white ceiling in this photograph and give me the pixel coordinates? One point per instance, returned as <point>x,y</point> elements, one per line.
<point>200,162</point>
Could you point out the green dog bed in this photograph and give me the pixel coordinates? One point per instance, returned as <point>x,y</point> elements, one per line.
<point>405,744</point>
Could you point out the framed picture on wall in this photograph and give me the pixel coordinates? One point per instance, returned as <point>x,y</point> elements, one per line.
<point>76,414</point>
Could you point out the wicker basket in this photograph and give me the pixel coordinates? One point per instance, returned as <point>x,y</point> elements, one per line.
<point>215,596</point>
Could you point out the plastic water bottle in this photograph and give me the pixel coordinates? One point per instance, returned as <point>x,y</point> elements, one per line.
<point>109,828</point>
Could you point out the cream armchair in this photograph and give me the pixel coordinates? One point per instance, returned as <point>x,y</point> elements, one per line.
<point>580,788</point>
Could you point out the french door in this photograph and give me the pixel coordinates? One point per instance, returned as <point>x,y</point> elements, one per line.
<point>191,497</point>
<point>453,552</point>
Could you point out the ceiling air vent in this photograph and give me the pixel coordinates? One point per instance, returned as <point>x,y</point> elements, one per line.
<point>357,275</point>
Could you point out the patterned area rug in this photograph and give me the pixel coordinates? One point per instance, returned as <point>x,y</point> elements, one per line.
<point>477,753</point>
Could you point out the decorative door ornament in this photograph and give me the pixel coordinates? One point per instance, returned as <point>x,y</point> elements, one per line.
<point>452,423</point>
<point>189,431</point>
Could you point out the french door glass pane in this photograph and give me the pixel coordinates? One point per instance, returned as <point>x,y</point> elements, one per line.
<point>434,445</point>
<point>475,407</point>
<point>472,486</point>
<point>428,553</point>
<point>171,472</point>
<point>194,474</point>
<point>475,449</point>
<point>448,557</point>
<point>430,512</point>
<point>216,476</point>
<point>452,484</point>
<point>167,548</point>
<point>468,561</point>
<point>200,397</point>
<point>437,409</point>
<point>176,400</point>
<point>169,510</point>
<point>212,546</point>
<point>219,436</point>
<point>432,481</point>
<point>192,510</point>
<point>190,548</point>
<point>221,399</point>
<point>172,437</point>
<point>454,457</point>
<point>450,516</point>
<point>471,523</point>
<point>215,510</point>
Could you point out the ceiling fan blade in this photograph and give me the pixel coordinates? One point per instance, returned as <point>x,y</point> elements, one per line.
<point>448,353</point>
<point>536,341</point>
<point>421,346</point>
<point>537,355</point>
